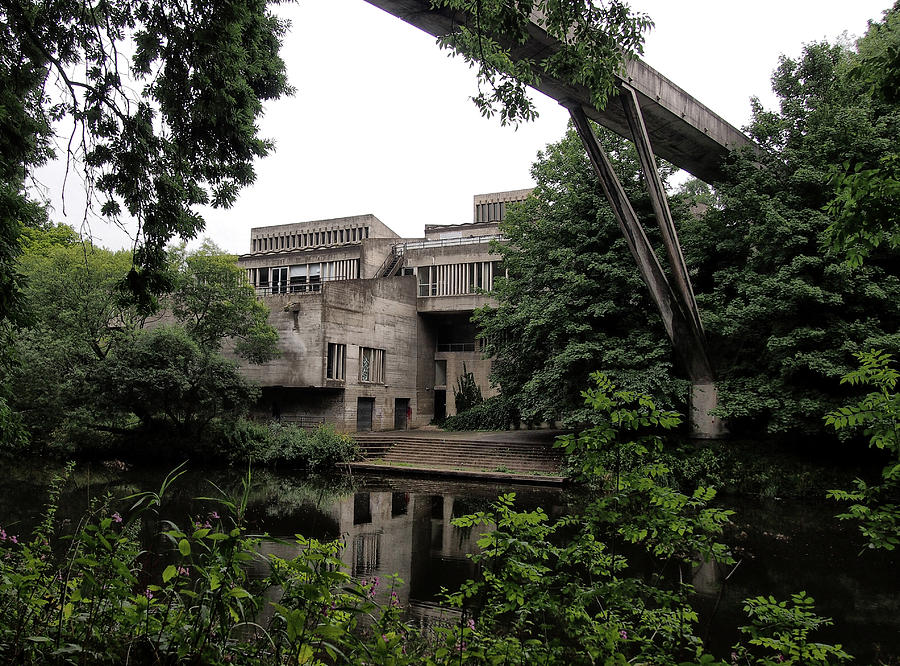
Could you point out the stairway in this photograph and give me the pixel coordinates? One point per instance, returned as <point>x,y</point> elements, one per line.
<point>458,454</point>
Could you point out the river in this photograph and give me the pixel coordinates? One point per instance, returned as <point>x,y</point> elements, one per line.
<point>401,525</point>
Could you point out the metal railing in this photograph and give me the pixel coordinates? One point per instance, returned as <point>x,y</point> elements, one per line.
<point>446,242</point>
<point>298,288</point>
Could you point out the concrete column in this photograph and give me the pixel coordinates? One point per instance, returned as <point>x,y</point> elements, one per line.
<point>446,549</point>
<point>704,398</point>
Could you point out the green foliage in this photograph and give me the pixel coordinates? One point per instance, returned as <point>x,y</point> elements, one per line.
<point>105,598</point>
<point>779,634</point>
<point>162,107</point>
<point>495,413</point>
<point>867,188</point>
<point>277,444</point>
<point>874,506</point>
<point>784,320</point>
<point>574,301</point>
<point>564,592</point>
<point>212,300</point>
<point>85,368</point>
<point>466,393</point>
<point>163,374</point>
<point>594,40</point>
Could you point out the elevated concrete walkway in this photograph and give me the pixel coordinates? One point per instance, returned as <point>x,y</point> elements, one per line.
<point>522,456</point>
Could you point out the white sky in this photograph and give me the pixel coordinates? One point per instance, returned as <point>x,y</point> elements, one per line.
<point>381,122</point>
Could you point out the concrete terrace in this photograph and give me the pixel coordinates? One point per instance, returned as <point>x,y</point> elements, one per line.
<point>522,456</point>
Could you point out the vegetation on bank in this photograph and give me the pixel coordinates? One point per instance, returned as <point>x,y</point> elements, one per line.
<point>127,586</point>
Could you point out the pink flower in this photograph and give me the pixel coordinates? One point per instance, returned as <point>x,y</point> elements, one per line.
<point>14,539</point>
<point>116,518</point>
<point>184,571</point>
<point>624,635</point>
<point>214,515</point>
<point>471,624</point>
<point>148,593</point>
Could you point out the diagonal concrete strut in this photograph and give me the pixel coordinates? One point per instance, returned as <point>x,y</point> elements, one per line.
<point>677,305</point>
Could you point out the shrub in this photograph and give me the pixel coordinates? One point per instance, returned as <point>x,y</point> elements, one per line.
<point>283,444</point>
<point>495,413</point>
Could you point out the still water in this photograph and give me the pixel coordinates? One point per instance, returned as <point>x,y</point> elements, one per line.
<point>401,525</point>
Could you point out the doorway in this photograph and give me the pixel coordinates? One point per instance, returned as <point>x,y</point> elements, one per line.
<point>364,409</point>
<point>440,405</point>
<point>401,410</point>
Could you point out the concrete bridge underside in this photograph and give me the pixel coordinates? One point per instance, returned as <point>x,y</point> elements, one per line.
<point>681,129</point>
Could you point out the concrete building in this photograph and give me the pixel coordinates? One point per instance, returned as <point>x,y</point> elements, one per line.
<point>374,329</point>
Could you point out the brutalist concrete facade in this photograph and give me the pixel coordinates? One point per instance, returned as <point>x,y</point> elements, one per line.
<point>374,330</point>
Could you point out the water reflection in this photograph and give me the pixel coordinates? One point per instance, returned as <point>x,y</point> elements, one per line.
<point>403,526</point>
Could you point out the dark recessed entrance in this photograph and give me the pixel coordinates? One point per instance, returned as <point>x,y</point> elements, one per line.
<point>401,409</point>
<point>364,409</point>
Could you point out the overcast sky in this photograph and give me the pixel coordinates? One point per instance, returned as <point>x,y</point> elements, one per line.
<point>381,122</point>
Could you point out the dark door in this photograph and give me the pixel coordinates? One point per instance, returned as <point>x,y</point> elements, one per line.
<point>364,408</point>
<point>401,405</point>
<point>440,405</point>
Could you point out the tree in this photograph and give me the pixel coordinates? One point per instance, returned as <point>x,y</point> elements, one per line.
<point>573,301</point>
<point>83,331</point>
<point>163,375</point>
<point>866,203</point>
<point>162,98</point>
<point>783,319</point>
<point>213,301</point>
<point>594,40</point>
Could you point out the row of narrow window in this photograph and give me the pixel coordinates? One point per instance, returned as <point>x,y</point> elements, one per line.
<point>302,277</point>
<point>309,239</point>
<point>371,363</point>
<point>458,279</point>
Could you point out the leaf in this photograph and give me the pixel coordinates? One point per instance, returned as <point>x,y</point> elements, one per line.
<point>169,573</point>
<point>184,547</point>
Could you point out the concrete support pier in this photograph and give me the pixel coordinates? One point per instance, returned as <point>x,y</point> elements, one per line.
<point>704,398</point>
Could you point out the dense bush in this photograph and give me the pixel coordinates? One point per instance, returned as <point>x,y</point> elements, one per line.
<point>495,413</point>
<point>283,444</point>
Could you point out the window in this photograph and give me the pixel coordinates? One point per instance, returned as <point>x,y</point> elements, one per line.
<point>337,359</point>
<point>371,365</point>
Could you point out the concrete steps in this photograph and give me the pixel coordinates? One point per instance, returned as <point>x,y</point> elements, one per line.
<point>474,454</point>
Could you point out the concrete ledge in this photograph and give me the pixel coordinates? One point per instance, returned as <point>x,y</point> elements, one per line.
<point>532,479</point>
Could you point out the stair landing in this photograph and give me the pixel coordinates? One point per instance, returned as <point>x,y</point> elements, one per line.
<point>513,456</point>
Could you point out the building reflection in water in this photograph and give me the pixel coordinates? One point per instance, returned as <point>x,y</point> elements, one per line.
<point>409,532</point>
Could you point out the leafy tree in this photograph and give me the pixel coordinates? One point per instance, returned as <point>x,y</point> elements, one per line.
<point>573,301</point>
<point>594,39</point>
<point>866,203</point>
<point>162,99</point>
<point>165,375</point>
<point>784,321</point>
<point>213,301</point>
<point>874,506</point>
<point>82,330</point>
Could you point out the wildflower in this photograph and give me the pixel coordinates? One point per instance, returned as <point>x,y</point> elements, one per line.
<point>471,624</point>
<point>116,518</point>
<point>779,658</point>
<point>214,515</point>
<point>624,635</point>
<point>184,571</point>
<point>13,539</point>
<point>2,534</point>
<point>148,593</point>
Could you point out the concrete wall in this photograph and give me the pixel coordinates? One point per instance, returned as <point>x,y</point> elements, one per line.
<point>380,314</point>
<point>474,363</point>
